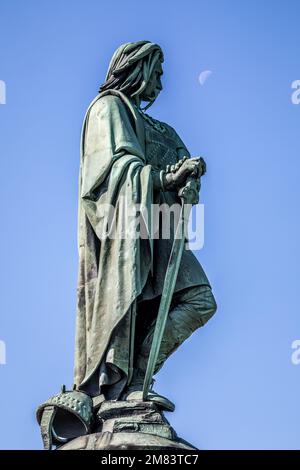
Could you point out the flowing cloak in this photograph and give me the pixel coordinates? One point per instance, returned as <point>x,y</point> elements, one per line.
<point>114,271</point>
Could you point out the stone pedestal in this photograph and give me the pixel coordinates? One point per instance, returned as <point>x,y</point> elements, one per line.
<point>129,425</point>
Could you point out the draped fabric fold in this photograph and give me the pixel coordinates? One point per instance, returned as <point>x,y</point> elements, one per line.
<point>112,270</point>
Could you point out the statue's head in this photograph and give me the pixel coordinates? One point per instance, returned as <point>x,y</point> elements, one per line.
<point>136,69</point>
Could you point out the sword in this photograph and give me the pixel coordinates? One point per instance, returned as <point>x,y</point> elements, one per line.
<point>189,196</point>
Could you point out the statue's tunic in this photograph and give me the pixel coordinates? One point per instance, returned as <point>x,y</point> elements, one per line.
<point>119,151</point>
<point>164,147</point>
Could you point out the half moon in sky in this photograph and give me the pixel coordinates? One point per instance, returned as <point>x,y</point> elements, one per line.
<point>204,76</point>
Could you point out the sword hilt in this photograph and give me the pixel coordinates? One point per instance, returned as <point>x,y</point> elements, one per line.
<point>189,194</point>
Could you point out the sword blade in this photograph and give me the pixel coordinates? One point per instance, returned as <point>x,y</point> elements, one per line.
<point>166,298</point>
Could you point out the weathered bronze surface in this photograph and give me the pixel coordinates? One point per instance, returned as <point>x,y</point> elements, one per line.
<point>126,155</point>
<point>130,425</point>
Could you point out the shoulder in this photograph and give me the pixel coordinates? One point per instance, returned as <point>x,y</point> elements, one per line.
<point>170,131</point>
<point>174,135</point>
<point>106,105</point>
<point>110,115</point>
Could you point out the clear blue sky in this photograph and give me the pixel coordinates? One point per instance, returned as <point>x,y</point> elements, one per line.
<point>233,382</point>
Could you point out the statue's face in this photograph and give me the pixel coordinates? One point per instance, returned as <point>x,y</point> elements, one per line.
<point>154,85</point>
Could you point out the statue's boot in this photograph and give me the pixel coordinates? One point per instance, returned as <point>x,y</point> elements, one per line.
<point>135,392</point>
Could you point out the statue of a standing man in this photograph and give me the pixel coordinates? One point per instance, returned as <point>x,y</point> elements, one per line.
<point>128,155</point>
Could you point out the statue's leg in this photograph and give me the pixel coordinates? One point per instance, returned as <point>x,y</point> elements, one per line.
<point>191,308</point>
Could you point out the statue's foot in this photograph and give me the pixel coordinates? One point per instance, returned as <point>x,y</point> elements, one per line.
<point>137,394</point>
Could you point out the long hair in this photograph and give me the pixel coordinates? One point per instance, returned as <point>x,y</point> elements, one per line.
<point>131,66</point>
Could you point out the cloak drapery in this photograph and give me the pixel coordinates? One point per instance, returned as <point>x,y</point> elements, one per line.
<point>112,272</point>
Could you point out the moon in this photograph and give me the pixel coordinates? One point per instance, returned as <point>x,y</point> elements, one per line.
<point>204,76</point>
<point>2,92</point>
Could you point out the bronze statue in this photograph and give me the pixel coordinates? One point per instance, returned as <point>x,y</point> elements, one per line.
<point>128,155</point>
